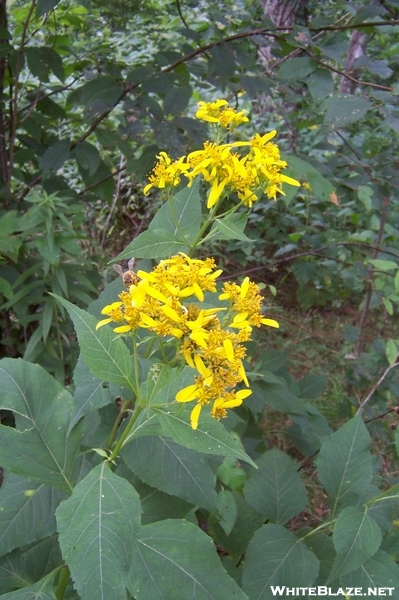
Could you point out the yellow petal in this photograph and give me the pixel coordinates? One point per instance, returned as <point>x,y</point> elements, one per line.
<point>270,322</point>
<point>103,322</point>
<point>289,180</point>
<point>194,417</point>
<point>228,348</point>
<point>172,314</point>
<point>123,329</point>
<point>187,394</point>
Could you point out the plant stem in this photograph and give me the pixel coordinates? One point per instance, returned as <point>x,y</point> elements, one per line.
<point>62,583</point>
<point>118,421</point>
<point>124,435</point>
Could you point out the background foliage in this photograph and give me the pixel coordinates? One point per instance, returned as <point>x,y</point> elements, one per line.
<point>89,94</point>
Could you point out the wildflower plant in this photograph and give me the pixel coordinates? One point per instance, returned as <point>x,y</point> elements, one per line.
<point>117,469</point>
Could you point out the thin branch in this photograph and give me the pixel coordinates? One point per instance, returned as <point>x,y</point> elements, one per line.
<point>374,389</point>
<point>183,20</point>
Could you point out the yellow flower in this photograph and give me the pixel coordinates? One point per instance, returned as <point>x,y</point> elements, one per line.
<point>209,340</point>
<point>166,172</point>
<point>220,112</point>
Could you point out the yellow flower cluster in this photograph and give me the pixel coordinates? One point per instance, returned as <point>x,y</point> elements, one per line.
<point>167,302</point>
<point>220,112</point>
<point>250,175</point>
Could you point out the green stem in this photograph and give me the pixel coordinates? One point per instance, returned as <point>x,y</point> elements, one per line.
<point>125,434</point>
<point>205,226</point>
<point>62,583</point>
<point>118,421</point>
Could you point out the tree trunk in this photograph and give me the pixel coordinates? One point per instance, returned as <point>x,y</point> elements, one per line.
<point>357,49</point>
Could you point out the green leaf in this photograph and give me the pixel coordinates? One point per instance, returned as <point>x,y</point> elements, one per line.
<point>155,505</point>
<point>90,393</point>
<point>384,265</point>
<point>312,386</point>
<point>391,351</point>
<point>180,215</point>
<point>104,352</point>
<point>281,399</point>
<point>231,228</point>
<point>29,563</point>
<point>379,571</point>
<point>227,513</point>
<point>344,464</point>
<point>38,448</point>
<point>247,522</point>
<point>98,527</point>
<point>320,186</point>
<point>342,110</point>
<point>42,590</point>
<point>323,547</point>
<point>297,68</point>
<point>275,489</point>
<point>44,6</point>
<point>99,95</point>
<point>211,437</point>
<point>175,559</point>
<point>177,99</point>
<point>153,244</point>
<point>356,537</point>
<point>27,512</point>
<point>276,556</point>
<point>320,84</point>
<point>173,469</point>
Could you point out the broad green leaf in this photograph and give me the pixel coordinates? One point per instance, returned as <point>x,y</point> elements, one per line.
<point>297,68</point>
<point>282,399</point>
<point>211,437</point>
<point>155,505</point>
<point>158,378</point>
<point>175,559</point>
<point>391,351</point>
<point>97,528</point>
<point>342,110</point>
<point>177,99</point>
<point>29,563</point>
<point>356,538</point>
<point>275,489</point>
<point>312,386</point>
<point>153,244</point>
<point>320,186</point>
<point>180,215</point>
<point>246,523</point>
<point>56,155</point>
<point>44,6</point>
<point>27,512</point>
<point>320,84</point>
<point>379,571</point>
<point>173,469</point>
<point>230,228</point>
<point>323,547</point>
<point>227,513</point>
<point>104,352</point>
<point>90,393</point>
<point>276,557</point>
<point>39,447</point>
<point>384,265</point>
<point>344,464</point>
<point>309,431</point>
<point>41,590</point>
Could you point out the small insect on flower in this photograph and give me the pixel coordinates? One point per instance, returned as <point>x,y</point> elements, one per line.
<point>129,277</point>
